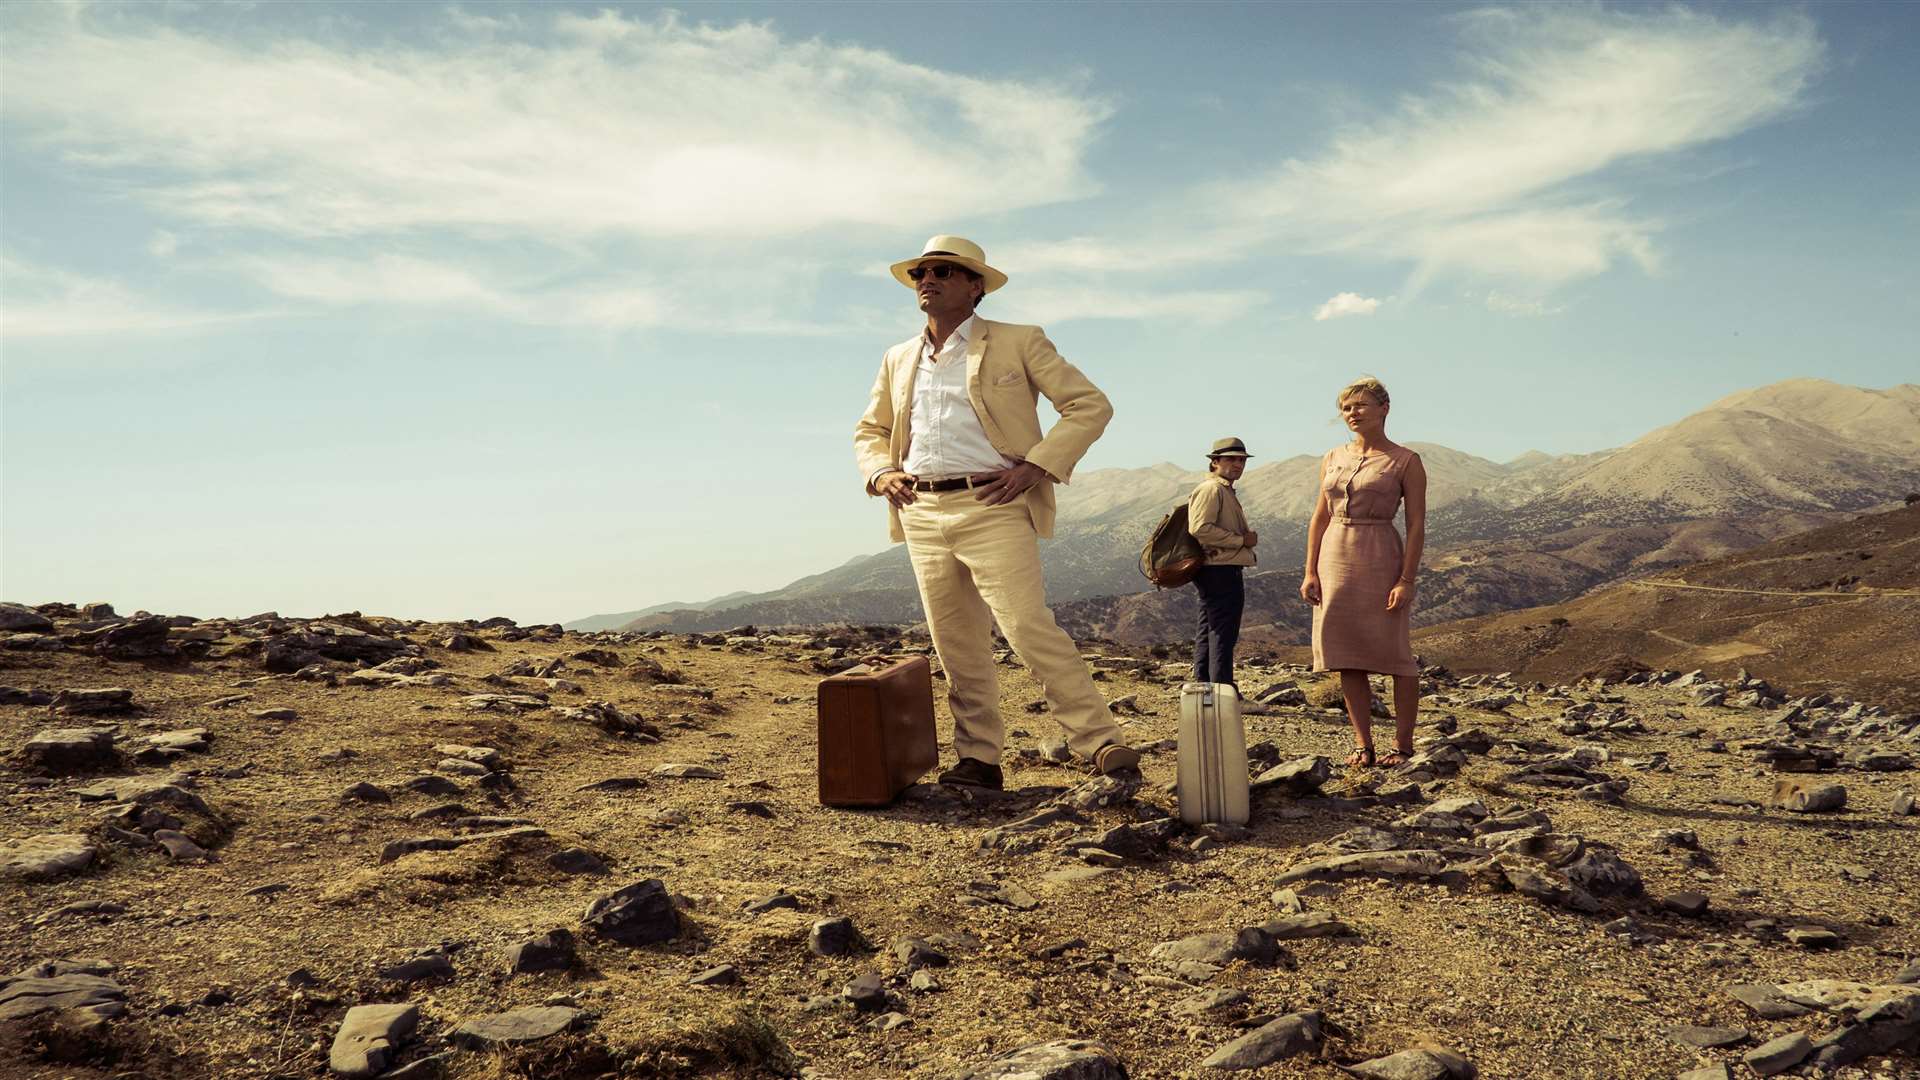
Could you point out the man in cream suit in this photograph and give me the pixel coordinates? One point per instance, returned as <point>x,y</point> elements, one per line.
<point>952,439</point>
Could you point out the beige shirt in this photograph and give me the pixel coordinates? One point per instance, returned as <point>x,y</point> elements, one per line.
<point>1215,518</point>
<point>946,437</point>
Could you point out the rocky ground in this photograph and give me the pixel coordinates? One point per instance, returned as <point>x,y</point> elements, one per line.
<point>365,846</point>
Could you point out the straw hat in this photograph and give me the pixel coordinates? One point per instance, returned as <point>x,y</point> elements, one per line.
<point>953,249</point>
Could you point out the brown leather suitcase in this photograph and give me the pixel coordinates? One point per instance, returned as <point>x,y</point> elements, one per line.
<point>876,733</point>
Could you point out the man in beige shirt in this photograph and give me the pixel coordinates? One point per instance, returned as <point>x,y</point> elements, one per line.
<point>1215,518</point>
<point>951,437</point>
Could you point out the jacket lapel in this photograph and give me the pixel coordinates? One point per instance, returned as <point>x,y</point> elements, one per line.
<point>976,356</point>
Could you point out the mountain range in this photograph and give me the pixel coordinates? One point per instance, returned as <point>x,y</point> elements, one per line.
<point>1751,467</point>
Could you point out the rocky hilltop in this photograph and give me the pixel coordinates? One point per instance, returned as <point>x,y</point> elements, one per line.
<point>361,846</point>
<point>1540,529</point>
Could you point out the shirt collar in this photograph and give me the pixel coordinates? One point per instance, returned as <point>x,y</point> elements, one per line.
<point>962,334</point>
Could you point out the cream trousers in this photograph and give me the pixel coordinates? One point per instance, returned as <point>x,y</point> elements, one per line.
<point>978,565</point>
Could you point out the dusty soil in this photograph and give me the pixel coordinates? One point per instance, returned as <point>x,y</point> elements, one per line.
<point>1522,989</point>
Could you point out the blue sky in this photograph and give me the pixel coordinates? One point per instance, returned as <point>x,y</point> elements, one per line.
<point>543,311</point>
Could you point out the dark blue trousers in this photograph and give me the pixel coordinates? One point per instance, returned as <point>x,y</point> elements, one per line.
<point>1223,596</point>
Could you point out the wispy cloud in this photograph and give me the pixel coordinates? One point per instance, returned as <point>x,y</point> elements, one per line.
<point>1504,171</point>
<point>591,126</point>
<point>1508,304</point>
<point>1344,304</point>
<point>1058,305</point>
<point>39,301</point>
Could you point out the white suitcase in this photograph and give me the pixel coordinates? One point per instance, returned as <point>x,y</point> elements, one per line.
<point>1212,785</point>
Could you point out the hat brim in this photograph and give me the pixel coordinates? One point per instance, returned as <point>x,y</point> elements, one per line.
<point>1231,453</point>
<point>993,278</point>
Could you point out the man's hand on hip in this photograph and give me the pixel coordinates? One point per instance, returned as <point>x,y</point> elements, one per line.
<point>1005,485</point>
<point>897,486</point>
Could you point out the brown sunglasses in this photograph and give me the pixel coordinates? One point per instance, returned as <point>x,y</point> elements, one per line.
<point>940,271</point>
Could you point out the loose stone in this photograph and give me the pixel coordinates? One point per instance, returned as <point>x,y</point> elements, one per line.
<point>368,1036</point>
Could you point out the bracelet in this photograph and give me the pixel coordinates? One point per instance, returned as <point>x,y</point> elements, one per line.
<point>1405,581</point>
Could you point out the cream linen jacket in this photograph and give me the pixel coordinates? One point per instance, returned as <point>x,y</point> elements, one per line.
<point>1215,518</point>
<point>1008,368</point>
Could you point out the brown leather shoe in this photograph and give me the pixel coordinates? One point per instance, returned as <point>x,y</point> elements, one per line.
<point>1115,757</point>
<point>972,772</point>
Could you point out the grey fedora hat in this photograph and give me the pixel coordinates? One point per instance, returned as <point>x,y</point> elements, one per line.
<point>1231,446</point>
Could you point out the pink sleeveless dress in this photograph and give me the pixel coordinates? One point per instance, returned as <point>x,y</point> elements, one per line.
<point>1360,559</point>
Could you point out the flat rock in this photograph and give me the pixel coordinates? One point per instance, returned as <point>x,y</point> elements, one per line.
<point>437,786</point>
<point>1804,796</point>
<point>866,992</point>
<point>1690,903</point>
<point>21,619</point>
<point>1299,776</point>
<point>1765,1001</point>
<point>1307,924</point>
<point>723,975</point>
<point>638,914</point>
<point>367,792</point>
<point>1388,864</point>
<point>578,861</point>
<point>395,849</point>
<point>45,857</point>
<point>62,750</point>
<point>1422,1063</point>
<point>551,951</point>
<point>1716,1071</point>
<point>616,783</point>
<point>57,986</point>
<point>179,846</point>
<point>93,701</point>
<point>1214,948</point>
<point>1813,937</point>
<point>1003,893</point>
<point>1214,1005</point>
<point>1292,1034</point>
<point>523,1025</point>
<point>681,771</point>
<point>1779,1055</point>
<point>433,965</point>
<point>1706,1038</point>
<point>480,755</point>
<point>511,703</point>
<point>1061,1059</point>
<point>368,1036</point>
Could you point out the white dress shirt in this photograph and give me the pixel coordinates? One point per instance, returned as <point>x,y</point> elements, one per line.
<point>947,438</point>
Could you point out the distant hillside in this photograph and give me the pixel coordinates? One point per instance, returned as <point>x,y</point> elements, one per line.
<point>1539,529</point>
<point>1833,609</point>
<point>594,623</point>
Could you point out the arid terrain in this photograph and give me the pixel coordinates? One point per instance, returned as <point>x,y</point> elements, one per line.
<point>283,820</point>
<point>1835,609</point>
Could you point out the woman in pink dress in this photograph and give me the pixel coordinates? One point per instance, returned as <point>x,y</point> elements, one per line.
<point>1360,575</point>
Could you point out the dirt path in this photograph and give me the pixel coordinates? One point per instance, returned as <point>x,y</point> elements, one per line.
<point>1863,594</point>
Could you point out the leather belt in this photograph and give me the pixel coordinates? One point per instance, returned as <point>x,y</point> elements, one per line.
<point>1363,521</point>
<point>956,483</point>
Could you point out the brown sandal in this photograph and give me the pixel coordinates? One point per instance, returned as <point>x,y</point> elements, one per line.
<point>1393,758</point>
<point>1362,758</point>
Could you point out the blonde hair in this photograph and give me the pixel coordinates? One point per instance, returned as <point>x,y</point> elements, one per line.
<point>1364,384</point>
